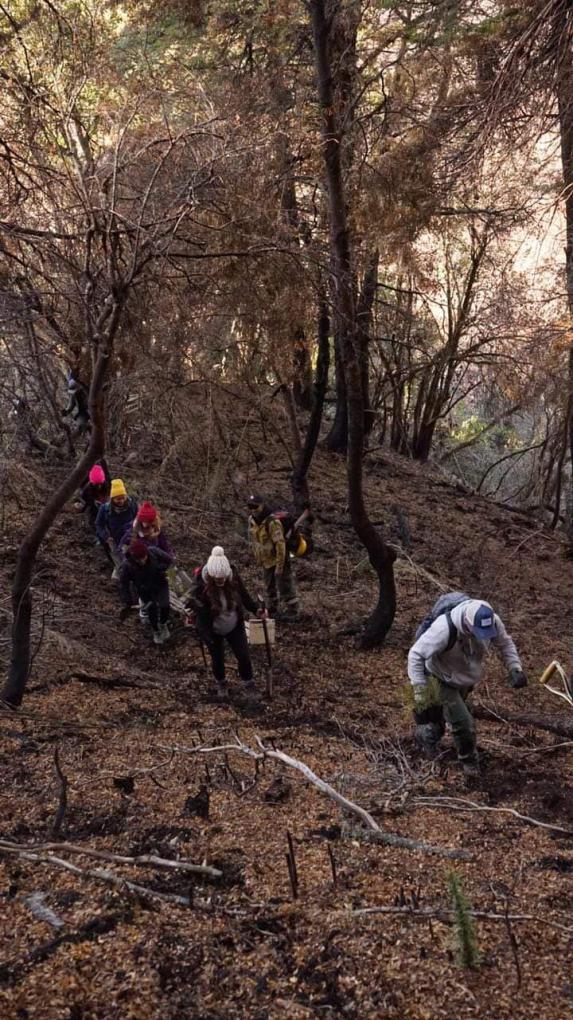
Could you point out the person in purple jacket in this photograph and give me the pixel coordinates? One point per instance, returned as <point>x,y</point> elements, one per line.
<point>146,528</point>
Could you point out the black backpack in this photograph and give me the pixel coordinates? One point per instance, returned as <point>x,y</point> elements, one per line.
<point>298,540</point>
<point>443,607</point>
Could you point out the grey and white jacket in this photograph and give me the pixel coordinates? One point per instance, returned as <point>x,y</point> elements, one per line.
<point>462,665</point>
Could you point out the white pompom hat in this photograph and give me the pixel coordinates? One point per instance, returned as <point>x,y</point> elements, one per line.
<point>218,565</point>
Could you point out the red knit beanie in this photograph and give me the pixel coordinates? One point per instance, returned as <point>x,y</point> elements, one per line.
<point>147,513</point>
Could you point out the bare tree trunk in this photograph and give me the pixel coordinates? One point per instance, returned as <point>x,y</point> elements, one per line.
<point>380,555</point>
<point>290,410</point>
<point>20,660</point>
<point>364,324</point>
<point>565,105</point>
<point>302,382</point>
<point>299,478</point>
<point>337,439</point>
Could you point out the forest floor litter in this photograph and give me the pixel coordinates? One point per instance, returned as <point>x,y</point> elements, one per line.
<point>184,884</point>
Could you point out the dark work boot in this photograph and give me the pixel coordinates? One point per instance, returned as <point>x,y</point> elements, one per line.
<point>471,770</point>
<point>222,691</point>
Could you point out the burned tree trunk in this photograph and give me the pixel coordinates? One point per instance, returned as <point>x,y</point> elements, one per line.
<point>364,324</point>
<point>323,14</point>
<point>337,439</point>
<point>565,107</point>
<point>20,660</point>
<point>299,482</point>
<point>302,387</point>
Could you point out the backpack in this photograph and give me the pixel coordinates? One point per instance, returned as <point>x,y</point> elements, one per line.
<point>443,607</point>
<point>298,542</point>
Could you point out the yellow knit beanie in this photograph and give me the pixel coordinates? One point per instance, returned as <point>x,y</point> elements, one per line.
<point>117,488</point>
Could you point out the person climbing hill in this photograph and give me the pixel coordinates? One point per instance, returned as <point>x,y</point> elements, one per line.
<point>146,568</point>
<point>270,548</point>
<point>94,494</point>
<point>114,517</point>
<point>219,599</point>
<point>77,406</point>
<point>146,526</point>
<point>444,665</point>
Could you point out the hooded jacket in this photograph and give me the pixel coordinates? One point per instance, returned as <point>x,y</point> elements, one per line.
<point>154,538</point>
<point>204,611</point>
<point>149,578</point>
<point>462,665</point>
<point>114,523</point>
<point>269,544</point>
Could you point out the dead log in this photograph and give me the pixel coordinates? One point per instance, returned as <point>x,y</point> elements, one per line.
<point>537,722</point>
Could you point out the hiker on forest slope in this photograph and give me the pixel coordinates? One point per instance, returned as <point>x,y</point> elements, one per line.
<point>146,526</point>
<point>145,568</point>
<point>114,517</point>
<point>77,407</point>
<point>94,493</point>
<point>219,599</point>
<point>270,547</point>
<point>446,662</point>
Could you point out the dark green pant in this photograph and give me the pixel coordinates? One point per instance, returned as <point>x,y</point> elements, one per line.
<point>458,715</point>
<point>452,701</point>
<point>281,584</point>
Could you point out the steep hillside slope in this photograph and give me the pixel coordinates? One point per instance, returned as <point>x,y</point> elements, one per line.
<point>126,717</point>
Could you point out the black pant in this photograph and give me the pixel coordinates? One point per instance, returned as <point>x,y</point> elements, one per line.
<point>157,606</point>
<point>237,639</point>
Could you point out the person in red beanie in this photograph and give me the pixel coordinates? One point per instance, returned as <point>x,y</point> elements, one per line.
<point>147,527</point>
<point>145,567</point>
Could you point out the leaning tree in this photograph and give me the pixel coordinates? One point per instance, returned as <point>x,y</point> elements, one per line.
<point>99,193</point>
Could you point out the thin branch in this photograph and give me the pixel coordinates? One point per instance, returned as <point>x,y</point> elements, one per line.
<point>373,831</point>
<point>147,860</point>
<point>460,804</point>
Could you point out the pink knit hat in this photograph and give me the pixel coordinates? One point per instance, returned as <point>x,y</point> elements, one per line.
<point>97,475</point>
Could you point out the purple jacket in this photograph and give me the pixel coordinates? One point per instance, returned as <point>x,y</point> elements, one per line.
<point>152,541</point>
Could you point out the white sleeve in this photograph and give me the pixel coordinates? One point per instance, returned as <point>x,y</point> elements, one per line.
<point>431,642</point>
<point>505,646</point>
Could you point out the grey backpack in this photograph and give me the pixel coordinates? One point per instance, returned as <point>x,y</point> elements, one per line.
<point>443,607</point>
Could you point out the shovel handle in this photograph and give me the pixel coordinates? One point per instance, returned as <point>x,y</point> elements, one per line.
<point>552,668</point>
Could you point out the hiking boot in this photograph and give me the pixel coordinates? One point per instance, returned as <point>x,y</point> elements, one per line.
<point>251,702</point>
<point>428,736</point>
<point>288,616</point>
<point>251,695</point>
<point>222,691</point>
<point>161,635</point>
<point>472,772</point>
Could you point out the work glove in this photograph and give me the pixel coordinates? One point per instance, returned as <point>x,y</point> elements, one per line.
<point>124,613</point>
<point>517,678</point>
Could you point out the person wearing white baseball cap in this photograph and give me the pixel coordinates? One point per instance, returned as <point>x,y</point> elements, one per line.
<point>449,650</point>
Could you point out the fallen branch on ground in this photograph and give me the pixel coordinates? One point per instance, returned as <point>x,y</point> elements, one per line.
<point>63,799</point>
<point>147,860</point>
<point>101,876</point>
<point>537,722</point>
<point>461,804</point>
<point>446,914</point>
<point>374,833</point>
